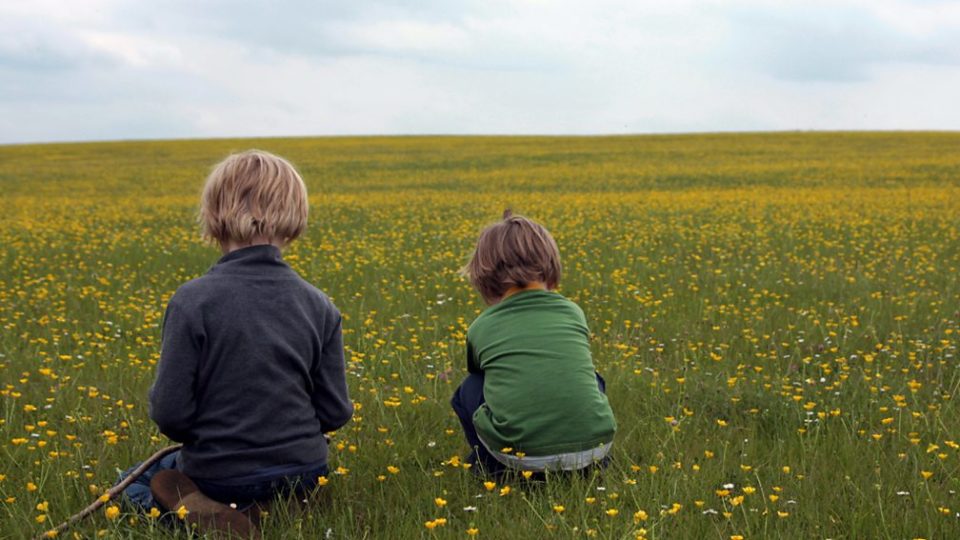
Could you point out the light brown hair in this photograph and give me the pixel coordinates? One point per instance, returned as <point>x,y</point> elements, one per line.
<point>513,253</point>
<point>253,194</point>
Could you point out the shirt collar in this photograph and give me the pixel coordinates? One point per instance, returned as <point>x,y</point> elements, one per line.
<point>252,257</point>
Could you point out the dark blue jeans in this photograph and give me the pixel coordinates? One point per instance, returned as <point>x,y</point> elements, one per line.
<point>466,399</point>
<point>138,493</point>
<point>243,495</point>
<point>246,494</point>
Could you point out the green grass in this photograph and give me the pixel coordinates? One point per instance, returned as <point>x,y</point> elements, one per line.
<point>770,294</point>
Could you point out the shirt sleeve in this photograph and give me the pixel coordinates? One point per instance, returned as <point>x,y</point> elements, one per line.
<point>331,399</point>
<point>173,402</point>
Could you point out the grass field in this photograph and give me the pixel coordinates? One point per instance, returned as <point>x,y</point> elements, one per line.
<point>776,316</point>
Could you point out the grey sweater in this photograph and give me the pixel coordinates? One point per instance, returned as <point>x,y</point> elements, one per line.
<point>251,372</point>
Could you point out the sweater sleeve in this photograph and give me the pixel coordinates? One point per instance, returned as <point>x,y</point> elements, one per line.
<point>331,399</point>
<point>173,402</point>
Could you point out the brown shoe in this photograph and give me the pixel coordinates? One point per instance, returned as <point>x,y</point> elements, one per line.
<point>173,489</point>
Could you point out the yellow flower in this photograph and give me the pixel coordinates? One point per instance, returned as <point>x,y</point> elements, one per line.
<point>440,502</point>
<point>504,491</point>
<point>612,512</point>
<point>558,508</point>
<point>52,533</point>
<point>112,512</point>
<point>31,486</point>
<point>926,474</point>
<point>473,531</point>
<point>392,470</point>
<point>527,474</point>
<point>154,513</point>
<point>104,498</point>
<point>639,516</point>
<point>182,512</point>
<point>434,523</point>
<point>489,485</point>
<point>322,481</point>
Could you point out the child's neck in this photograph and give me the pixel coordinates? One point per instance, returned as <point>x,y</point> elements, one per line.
<point>538,285</point>
<point>229,246</point>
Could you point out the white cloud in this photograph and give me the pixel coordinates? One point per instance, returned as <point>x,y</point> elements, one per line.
<point>400,36</point>
<point>135,51</point>
<point>108,69</point>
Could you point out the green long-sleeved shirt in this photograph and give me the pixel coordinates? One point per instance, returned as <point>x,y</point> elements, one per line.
<point>539,385</point>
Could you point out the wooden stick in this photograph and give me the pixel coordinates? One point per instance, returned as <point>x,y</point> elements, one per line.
<point>110,494</point>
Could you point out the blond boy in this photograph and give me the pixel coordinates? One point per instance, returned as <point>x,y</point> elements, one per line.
<point>251,372</point>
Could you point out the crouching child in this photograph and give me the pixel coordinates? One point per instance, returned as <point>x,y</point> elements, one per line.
<point>532,400</point>
<point>251,371</point>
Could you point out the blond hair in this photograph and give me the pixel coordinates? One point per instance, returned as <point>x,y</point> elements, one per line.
<point>513,253</point>
<point>253,194</point>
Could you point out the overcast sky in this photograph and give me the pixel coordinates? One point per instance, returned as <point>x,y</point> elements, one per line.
<point>110,69</point>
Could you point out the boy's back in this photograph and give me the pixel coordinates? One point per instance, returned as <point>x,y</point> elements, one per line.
<point>532,400</point>
<point>539,381</point>
<point>251,370</point>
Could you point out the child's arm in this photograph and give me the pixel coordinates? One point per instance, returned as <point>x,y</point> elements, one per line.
<point>331,399</point>
<point>172,400</point>
<point>473,365</point>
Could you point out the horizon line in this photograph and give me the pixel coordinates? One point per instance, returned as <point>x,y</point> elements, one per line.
<point>651,134</point>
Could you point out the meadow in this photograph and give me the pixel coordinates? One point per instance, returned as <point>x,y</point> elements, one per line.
<point>776,316</point>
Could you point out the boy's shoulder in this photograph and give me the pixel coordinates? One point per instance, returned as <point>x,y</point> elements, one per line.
<point>537,302</point>
<point>191,291</point>
<point>213,286</point>
<point>314,291</point>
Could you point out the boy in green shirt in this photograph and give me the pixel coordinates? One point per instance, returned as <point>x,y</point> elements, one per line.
<point>532,400</point>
